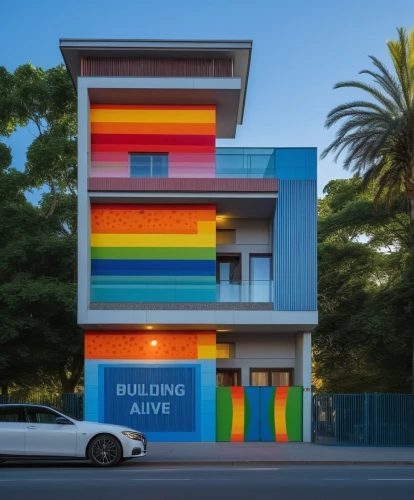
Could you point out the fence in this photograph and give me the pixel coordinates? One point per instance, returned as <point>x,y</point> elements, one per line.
<point>70,403</point>
<point>364,419</point>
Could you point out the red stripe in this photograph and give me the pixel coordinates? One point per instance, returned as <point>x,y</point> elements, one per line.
<point>150,148</point>
<point>160,140</point>
<point>129,206</point>
<point>153,106</point>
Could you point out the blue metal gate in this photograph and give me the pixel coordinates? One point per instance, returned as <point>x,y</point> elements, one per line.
<point>364,419</point>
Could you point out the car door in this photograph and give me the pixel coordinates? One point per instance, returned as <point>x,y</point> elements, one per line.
<point>45,437</point>
<point>12,429</point>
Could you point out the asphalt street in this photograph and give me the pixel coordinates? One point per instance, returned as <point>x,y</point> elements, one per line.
<point>132,480</point>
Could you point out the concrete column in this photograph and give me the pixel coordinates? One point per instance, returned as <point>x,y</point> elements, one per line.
<point>303,377</point>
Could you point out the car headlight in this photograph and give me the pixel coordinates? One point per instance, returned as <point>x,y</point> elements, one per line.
<point>137,436</point>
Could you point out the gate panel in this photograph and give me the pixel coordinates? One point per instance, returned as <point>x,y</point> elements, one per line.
<point>259,414</point>
<point>281,414</point>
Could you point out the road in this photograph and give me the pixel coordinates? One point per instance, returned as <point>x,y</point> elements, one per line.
<point>133,481</point>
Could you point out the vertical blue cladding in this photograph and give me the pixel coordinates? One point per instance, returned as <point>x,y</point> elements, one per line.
<point>295,231</point>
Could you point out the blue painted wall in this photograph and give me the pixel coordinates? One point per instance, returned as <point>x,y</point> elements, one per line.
<point>192,417</point>
<point>295,230</point>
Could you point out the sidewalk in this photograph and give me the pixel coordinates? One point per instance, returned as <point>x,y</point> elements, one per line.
<point>273,454</point>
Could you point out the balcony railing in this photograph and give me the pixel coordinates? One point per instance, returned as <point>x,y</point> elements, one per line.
<point>259,164</point>
<point>116,289</point>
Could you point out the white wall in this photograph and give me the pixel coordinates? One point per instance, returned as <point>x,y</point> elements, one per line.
<point>254,350</point>
<point>252,236</point>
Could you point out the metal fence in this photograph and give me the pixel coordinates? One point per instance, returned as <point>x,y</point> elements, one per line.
<point>363,419</point>
<point>71,403</point>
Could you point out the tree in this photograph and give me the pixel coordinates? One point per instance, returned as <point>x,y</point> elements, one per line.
<point>363,340</point>
<point>39,337</point>
<point>378,134</point>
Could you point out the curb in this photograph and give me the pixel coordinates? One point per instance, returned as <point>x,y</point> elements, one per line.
<point>199,463</point>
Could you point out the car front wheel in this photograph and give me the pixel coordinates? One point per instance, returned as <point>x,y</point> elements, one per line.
<point>105,451</point>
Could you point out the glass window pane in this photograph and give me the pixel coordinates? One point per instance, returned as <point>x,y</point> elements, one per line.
<point>41,416</point>
<point>280,379</point>
<point>10,414</point>
<point>227,378</point>
<point>260,268</point>
<point>260,379</point>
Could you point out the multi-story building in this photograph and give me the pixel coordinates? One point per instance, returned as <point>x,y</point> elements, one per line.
<point>197,264</point>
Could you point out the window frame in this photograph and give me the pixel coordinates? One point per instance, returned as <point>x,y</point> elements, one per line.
<point>229,256</point>
<point>230,370</point>
<point>269,372</point>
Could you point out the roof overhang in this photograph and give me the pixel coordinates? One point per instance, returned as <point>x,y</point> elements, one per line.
<point>239,50</point>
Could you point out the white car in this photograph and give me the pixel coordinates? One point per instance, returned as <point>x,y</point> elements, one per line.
<point>39,432</point>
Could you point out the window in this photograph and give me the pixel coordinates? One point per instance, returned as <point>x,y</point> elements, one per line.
<point>264,377</point>
<point>225,351</point>
<point>37,415</point>
<point>225,237</point>
<point>146,165</point>
<point>260,268</point>
<point>228,378</point>
<point>260,278</point>
<point>228,269</point>
<point>10,414</point>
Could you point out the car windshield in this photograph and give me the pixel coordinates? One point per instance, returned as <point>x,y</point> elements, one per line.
<point>67,414</point>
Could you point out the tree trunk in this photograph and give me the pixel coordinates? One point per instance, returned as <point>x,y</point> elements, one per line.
<point>69,383</point>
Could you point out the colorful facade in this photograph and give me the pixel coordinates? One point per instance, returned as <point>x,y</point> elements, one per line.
<point>197,264</point>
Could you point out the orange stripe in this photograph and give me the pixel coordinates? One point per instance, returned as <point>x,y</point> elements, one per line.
<point>280,414</point>
<point>207,339</point>
<point>182,107</point>
<point>142,148</point>
<point>137,345</point>
<point>237,428</point>
<point>153,128</point>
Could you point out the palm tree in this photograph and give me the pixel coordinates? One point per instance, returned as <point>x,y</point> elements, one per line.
<point>377,135</point>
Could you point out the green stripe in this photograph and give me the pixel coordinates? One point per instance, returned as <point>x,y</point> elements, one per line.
<point>294,417</point>
<point>153,253</point>
<point>224,414</point>
<point>247,414</point>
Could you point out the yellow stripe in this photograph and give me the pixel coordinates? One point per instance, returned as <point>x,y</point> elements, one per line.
<point>149,116</point>
<point>206,227</point>
<point>154,240</point>
<point>206,352</point>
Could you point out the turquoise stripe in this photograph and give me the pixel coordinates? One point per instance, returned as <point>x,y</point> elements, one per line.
<point>196,294</point>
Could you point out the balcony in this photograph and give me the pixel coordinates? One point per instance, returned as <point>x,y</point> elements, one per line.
<point>105,289</point>
<point>252,163</point>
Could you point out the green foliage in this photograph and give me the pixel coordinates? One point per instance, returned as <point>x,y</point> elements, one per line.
<point>39,336</point>
<point>363,340</point>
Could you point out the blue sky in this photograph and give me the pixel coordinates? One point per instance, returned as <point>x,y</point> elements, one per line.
<point>300,49</point>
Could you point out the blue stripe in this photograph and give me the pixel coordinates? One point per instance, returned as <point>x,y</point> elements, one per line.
<point>295,246</point>
<point>114,267</point>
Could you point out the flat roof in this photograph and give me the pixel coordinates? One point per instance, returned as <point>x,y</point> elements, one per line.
<point>73,49</point>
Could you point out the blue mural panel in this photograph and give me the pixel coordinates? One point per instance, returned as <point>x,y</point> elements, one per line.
<point>252,397</point>
<point>151,399</point>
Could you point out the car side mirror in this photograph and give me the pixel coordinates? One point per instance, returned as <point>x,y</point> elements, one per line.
<point>62,421</point>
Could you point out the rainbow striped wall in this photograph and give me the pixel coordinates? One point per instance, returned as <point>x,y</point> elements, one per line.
<point>186,133</point>
<point>259,414</point>
<point>153,253</point>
